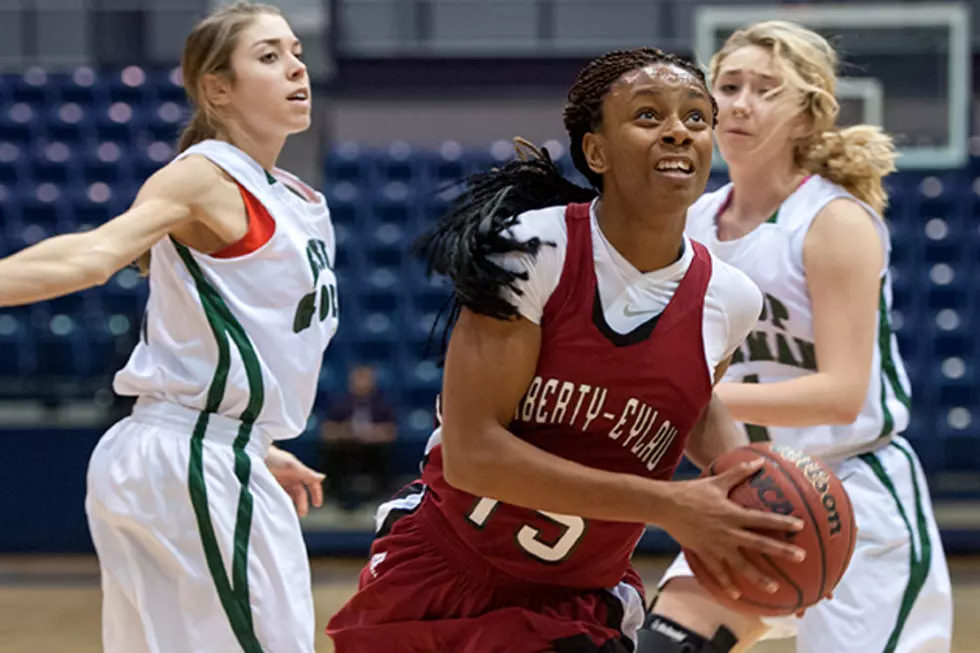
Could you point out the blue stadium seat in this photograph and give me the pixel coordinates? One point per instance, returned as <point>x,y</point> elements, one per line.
<point>129,85</point>
<point>147,160</point>
<point>14,168</point>
<point>69,122</point>
<point>54,164</point>
<point>956,433</point>
<point>16,346</point>
<point>111,341</point>
<point>398,163</point>
<point>346,162</point>
<point>125,294</point>
<point>79,86</point>
<point>937,196</point>
<point>115,122</point>
<point>19,123</point>
<point>94,205</point>
<point>944,288</point>
<point>82,305</point>
<point>29,88</point>
<point>168,85</point>
<point>941,241</point>
<point>952,333</point>
<point>107,162</point>
<point>51,216</point>
<point>346,205</point>
<point>955,381</point>
<point>448,165</point>
<point>63,349</point>
<point>395,203</point>
<point>164,122</point>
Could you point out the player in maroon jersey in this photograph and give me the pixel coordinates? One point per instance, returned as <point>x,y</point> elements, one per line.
<point>588,336</point>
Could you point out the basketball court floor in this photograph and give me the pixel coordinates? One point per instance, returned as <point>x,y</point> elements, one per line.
<point>53,603</point>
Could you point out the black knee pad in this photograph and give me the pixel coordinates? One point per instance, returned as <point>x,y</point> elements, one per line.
<point>661,635</point>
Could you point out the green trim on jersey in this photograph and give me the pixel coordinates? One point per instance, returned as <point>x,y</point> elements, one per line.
<point>889,373</point>
<point>919,561</point>
<point>233,595</point>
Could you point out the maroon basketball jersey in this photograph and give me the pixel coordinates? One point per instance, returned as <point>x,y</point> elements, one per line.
<point>620,402</point>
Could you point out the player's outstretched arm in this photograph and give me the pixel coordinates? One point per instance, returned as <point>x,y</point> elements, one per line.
<point>71,262</point>
<point>842,258</point>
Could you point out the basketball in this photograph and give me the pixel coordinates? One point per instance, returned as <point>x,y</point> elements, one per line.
<point>790,483</point>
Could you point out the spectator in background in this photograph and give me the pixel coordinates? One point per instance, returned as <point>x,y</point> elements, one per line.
<point>356,441</point>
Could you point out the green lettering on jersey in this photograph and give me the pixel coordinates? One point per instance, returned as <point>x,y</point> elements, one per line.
<point>738,356</point>
<point>807,353</point>
<point>759,345</point>
<point>777,310</point>
<point>783,353</point>
<point>316,256</point>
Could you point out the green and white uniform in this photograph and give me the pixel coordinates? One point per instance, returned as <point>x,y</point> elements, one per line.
<point>896,595</point>
<point>200,547</point>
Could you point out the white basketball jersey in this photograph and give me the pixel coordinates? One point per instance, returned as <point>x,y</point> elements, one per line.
<point>242,337</point>
<point>781,346</point>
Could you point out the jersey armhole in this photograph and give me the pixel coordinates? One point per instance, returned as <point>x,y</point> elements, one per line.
<point>261,228</point>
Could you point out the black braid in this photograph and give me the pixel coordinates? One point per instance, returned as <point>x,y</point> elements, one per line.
<point>478,222</point>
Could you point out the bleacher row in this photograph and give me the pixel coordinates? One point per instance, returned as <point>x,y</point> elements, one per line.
<point>74,148</point>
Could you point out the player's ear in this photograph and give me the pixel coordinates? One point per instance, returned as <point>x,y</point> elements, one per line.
<point>593,147</point>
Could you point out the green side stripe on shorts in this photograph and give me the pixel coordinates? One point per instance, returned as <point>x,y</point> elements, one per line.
<point>919,563</point>
<point>233,594</point>
<point>889,373</point>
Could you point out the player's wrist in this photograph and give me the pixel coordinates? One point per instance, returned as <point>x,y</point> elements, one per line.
<point>663,499</point>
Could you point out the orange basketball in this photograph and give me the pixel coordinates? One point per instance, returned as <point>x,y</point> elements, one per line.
<point>790,483</point>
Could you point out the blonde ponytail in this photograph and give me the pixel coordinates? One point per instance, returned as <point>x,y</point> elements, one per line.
<point>857,158</point>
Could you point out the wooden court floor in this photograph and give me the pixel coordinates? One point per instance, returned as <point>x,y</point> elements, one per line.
<point>53,604</point>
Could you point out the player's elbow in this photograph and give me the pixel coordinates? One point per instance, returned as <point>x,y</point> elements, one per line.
<point>468,466</point>
<point>846,408</point>
<point>96,268</point>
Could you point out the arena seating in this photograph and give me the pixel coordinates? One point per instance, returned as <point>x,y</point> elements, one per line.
<point>75,146</point>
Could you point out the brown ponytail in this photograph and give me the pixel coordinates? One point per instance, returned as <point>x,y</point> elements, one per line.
<point>197,130</point>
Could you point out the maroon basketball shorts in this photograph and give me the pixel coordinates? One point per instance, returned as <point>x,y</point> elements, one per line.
<point>420,594</point>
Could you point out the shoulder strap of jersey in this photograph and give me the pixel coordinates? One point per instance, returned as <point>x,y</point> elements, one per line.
<point>802,207</point>
<point>578,269</point>
<point>242,168</point>
<point>689,296</point>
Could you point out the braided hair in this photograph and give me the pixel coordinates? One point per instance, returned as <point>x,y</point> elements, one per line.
<point>477,226</point>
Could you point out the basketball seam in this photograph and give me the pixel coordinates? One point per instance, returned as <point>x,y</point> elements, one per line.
<point>806,504</point>
<point>800,594</point>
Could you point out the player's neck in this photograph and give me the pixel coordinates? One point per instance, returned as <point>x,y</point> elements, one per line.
<point>758,193</point>
<point>648,244</point>
<point>263,150</point>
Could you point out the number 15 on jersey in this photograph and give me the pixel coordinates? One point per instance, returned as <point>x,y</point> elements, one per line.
<point>530,538</point>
